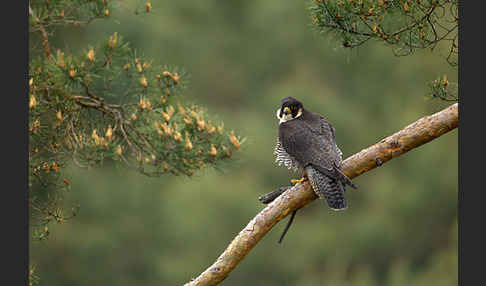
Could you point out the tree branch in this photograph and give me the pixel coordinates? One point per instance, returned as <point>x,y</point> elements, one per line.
<point>416,134</point>
<point>45,37</point>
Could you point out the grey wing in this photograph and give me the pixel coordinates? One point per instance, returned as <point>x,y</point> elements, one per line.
<point>339,158</point>
<point>313,146</point>
<point>331,155</point>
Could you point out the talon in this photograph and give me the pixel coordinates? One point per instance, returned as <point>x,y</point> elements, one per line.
<point>295,181</point>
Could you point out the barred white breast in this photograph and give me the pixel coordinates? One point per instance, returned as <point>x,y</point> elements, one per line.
<point>282,157</point>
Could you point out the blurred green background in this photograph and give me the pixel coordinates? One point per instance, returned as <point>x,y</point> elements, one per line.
<point>243,58</point>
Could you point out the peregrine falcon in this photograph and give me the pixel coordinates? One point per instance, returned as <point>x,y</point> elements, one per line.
<point>306,143</point>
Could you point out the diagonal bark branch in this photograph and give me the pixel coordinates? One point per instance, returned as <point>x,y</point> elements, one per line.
<point>418,133</point>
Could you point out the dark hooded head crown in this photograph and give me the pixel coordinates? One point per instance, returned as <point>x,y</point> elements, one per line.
<point>293,104</point>
<point>290,101</point>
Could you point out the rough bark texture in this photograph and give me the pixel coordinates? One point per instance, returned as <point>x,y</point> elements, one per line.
<point>412,136</point>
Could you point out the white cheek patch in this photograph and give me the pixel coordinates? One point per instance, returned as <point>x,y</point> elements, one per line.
<point>287,117</point>
<point>299,113</point>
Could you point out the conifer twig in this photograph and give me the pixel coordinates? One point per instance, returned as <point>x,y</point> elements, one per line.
<point>414,135</point>
<point>44,35</point>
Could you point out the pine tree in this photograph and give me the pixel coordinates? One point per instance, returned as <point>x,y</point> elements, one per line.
<point>106,105</point>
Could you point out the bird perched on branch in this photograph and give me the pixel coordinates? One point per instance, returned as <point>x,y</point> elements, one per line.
<point>306,143</point>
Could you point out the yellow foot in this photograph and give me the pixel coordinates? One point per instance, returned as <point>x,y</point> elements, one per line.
<point>295,181</point>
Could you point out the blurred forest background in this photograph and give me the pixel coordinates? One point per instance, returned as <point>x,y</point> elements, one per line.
<point>243,57</point>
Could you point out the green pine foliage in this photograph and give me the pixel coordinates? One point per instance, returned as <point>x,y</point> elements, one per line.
<point>407,25</point>
<point>443,89</point>
<point>404,25</point>
<point>109,104</point>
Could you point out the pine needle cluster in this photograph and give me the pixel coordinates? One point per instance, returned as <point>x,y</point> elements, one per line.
<point>406,25</point>
<point>111,104</point>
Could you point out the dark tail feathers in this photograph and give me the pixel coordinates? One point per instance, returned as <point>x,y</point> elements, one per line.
<point>332,190</point>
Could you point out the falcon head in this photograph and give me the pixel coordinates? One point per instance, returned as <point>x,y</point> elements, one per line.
<point>291,108</point>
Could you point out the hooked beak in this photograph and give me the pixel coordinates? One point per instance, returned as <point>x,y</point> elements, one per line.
<point>286,110</point>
